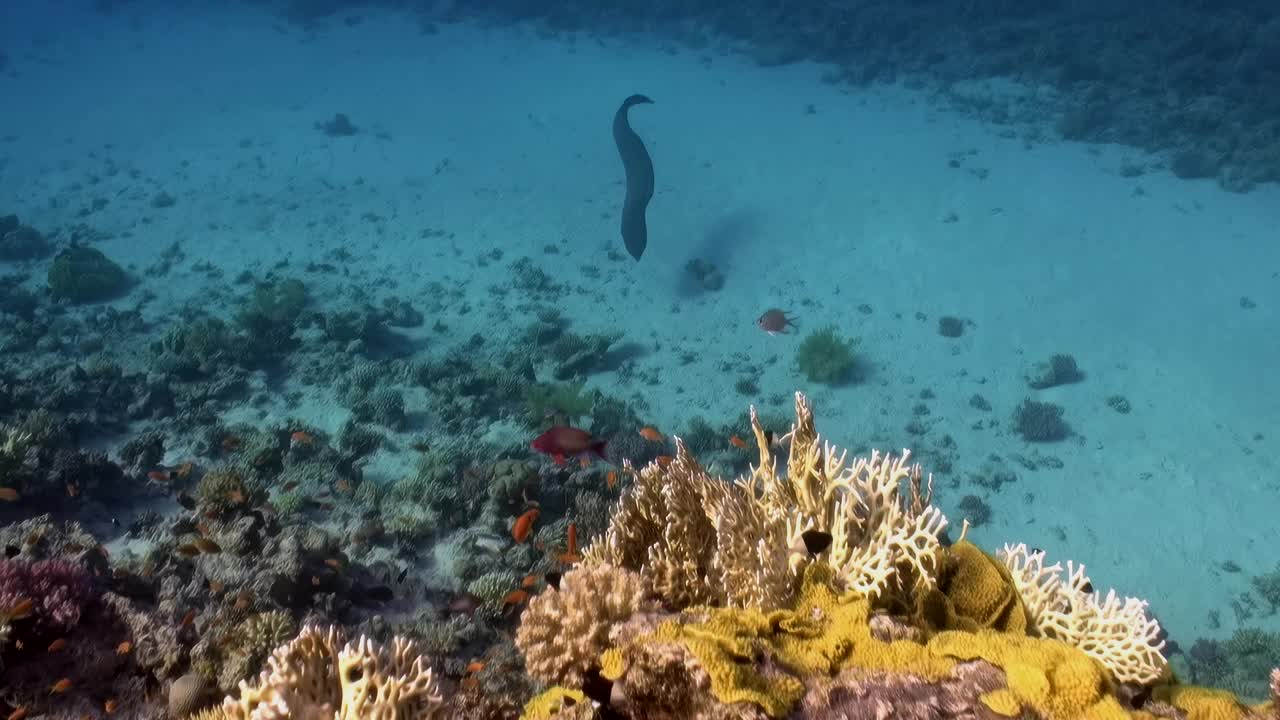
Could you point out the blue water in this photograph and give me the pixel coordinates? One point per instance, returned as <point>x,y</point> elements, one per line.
<point>1089,179</point>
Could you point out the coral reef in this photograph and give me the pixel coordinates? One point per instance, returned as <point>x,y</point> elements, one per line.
<point>698,540</point>
<point>18,241</point>
<point>830,592</point>
<point>316,675</point>
<point>58,591</point>
<point>83,274</point>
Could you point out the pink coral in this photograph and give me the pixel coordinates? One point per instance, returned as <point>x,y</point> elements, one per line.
<point>59,588</point>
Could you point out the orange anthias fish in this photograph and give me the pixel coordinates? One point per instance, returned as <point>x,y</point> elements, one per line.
<point>611,479</point>
<point>561,442</point>
<point>524,525</point>
<point>8,494</point>
<point>738,442</point>
<point>301,437</point>
<point>650,433</point>
<point>571,557</point>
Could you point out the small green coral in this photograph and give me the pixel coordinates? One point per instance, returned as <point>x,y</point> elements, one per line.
<point>561,402</point>
<point>826,357</point>
<point>83,275</point>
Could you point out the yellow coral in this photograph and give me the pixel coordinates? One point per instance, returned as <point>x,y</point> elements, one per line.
<point>1049,676</point>
<point>1201,703</point>
<point>546,704</point>
<point>1002,702</point>
<point>821,635</point>
<point>974,592</point>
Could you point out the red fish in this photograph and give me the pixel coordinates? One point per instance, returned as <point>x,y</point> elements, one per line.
<point>561,442</point>
<point>775,321</point>
<point>524,525</point>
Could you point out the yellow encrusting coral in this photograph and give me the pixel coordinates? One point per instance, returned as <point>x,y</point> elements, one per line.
<point>546,704</point>
<point>1051,677</point>
<point>820,635</point>
<point>1202,703</point>
<point>974,591</point>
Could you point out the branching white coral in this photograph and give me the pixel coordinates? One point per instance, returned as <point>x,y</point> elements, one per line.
<point>310,678</point>
<point>746,547</point>
<point>1117,632</point>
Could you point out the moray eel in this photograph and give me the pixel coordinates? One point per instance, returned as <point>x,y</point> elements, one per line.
<point>635,159</point>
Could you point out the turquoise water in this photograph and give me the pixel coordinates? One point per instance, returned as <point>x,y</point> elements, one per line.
<point>457,256</point>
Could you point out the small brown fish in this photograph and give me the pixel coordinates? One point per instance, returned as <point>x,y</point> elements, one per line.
<point>464,603</point>
<point>528,582</point>
<point>230,443</point>
<point>18,713</point>
<point>188,619</point>
<point>650,433</point>
<point>8,494</point>
<point>124,648</point>
<point>244,599</point>
<point>737,442</point>
<point>188,550</point>
<point>205,545</point>
<point>475,666</point>
<point>109,707</point>
<point>20,610</point>
<point>57,645</point>
<point>775,321</point>
<point>611,479</point>
<point>515,597</point>
<point>160,476</point>
<point>301,437</point>
<point>61,686</point>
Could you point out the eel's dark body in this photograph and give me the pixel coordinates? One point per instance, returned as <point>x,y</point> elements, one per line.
<point>635,160</point>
